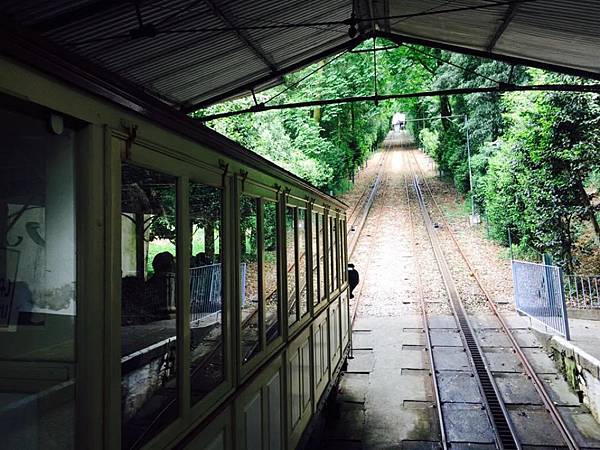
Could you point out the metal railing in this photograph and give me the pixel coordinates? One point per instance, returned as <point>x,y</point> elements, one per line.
<point>205,293</point>
<point>582,291</point>
<point>539,294</point>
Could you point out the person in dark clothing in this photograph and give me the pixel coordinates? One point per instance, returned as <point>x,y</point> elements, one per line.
<point>353,278</point>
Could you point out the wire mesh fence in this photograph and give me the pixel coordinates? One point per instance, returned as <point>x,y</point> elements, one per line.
<point>582,291</point>
<point>539,294</point>
<point>205,293</point>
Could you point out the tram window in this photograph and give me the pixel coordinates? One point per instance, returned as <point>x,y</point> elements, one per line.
<point>338,252</point>
<point>207,326</point>
<point>37,284</point>
<point>302,263</point>
<point>290,235</point>
<point>343,262</point>
<point>315,259</point>
<point>148,304</point>
<point>332,255</point>
<point>249,273</point>
<point>322,254</point>
<point>271,292</point>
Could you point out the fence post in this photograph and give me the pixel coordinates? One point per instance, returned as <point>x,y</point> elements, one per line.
<point>547,259</point>
<point>563,305</point>
<point>243,290</point>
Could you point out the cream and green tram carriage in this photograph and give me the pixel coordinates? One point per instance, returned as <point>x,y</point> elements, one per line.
<point>160,285</point>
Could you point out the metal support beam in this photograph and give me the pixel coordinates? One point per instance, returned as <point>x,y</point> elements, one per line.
<point>508,17</point>
<point>377,98</point>
<point>242,35</point>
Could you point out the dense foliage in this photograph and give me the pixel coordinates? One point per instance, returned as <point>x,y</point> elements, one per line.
<point>324,145</point>
<point>534,158</point>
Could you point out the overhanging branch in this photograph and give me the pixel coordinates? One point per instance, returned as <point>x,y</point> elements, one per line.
<point>376,98</point>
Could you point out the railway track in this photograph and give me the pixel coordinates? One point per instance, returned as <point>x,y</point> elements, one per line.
<point>381,182</point>
<point>425,319</point>
<point>352,215</point>
<point>358,215</point>
<point>504,430</point>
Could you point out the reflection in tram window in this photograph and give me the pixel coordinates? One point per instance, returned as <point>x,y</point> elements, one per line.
<point>249,298</point>
<point>338,252</point>
<point>206,282</point>
<point>271,293</point>
<point>302,263</point>
<point>315,259</point>
<point>148,304</point>
<point>344,263</point>
<point>38,304</point>
<point>322,255</point>
<point>332,262</point>
<point>290,239</point>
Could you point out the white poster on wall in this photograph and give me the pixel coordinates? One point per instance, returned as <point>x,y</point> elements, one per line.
<point>8,289</point>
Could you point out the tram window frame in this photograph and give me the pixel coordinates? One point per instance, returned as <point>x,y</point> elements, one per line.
<point>338,254</point>
<point>314,257</point>
<point>154,157</point>
<point>224,277</point>
<point>297,204</point>
<point>256,200</point>
<point>305,293</point>
<point>325,259</point>
<point>177,299</point>
<point>274,199</point>
<point>262,195</point>
<point>65,161</point>
<point>344,248</point>
<point>320,302</point>
<point>332,252</point>
<point>289,272</point>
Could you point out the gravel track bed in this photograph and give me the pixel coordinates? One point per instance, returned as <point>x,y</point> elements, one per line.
<point>388,261</point>
<point>485,256</point>
<point>384,251</point>
<point>434,290</point>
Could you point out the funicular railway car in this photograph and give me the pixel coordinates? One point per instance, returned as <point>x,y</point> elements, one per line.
<point>161,286</point>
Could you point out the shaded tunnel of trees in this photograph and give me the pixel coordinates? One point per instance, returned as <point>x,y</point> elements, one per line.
<point>535,155</point>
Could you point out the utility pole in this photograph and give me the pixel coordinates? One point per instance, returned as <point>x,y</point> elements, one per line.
<point>475,219</point>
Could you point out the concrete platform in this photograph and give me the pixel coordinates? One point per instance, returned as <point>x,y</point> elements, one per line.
<point>385,398</point>
<point>578,360</point>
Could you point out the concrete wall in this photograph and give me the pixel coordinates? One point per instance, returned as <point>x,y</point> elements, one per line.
<point>581,370</point>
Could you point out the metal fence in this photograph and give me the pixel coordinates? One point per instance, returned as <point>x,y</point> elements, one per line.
<point>582,291</point>
<point>205,293</point>
<point>539,294</point>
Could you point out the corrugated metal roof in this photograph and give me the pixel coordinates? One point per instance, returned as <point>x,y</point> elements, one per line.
<point>186,64</point>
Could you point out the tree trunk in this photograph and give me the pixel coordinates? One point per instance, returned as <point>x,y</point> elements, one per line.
<point>209,242</point>
<point>589,209</point>
<point>445,111</point>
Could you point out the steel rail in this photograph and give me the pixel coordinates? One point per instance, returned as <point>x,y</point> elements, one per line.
<point>351,216</point>
<point>369,201</point>
<point>426,329</point>
<point>504,431</point>
<point>538,384</point>
<point>382,181</point>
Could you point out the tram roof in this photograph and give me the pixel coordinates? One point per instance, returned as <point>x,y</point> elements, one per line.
<point>191,53</point>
